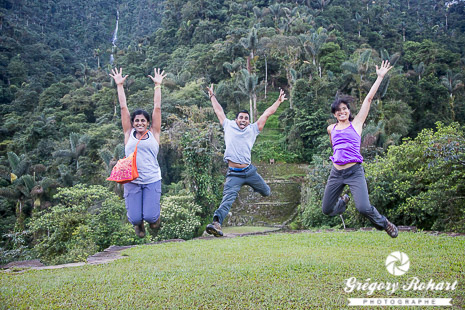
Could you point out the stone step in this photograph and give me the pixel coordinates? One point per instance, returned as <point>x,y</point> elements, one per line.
<point>281,171</point>
<point>251,208</point>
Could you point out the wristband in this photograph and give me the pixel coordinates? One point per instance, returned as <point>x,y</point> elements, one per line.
<point>157,86</point>
<point>212,95</point>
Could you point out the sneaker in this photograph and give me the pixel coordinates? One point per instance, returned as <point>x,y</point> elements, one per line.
<point>391,230</point>
<point>214,229</point>
<point>156,225</point>
<point>140,230</point>
<point>345,198</point>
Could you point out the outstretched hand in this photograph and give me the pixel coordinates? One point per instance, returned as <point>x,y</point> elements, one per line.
<point>118,76</point>
<point>282,96</point>
<point>385,67</point>
<point>158,76</point>
<point>210,90</point>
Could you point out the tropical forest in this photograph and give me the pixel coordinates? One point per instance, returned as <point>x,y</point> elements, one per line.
<point>61,131</point>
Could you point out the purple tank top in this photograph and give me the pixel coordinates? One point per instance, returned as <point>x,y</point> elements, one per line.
<point>346,146</point>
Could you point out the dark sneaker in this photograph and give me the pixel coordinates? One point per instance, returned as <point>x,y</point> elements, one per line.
<point>140,230</point>
<point>214,229</point>
<point>156,225</point>
<point>345,198</point>
<point>391,230</point>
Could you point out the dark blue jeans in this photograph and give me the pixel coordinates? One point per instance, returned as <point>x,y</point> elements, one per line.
<point>232,186</point>
<point>354,177</point>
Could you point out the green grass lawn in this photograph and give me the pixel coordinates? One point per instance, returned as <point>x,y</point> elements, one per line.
<point>275,271</point>
<point>246,229</point>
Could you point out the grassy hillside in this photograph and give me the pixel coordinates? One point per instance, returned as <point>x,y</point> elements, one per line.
<point>277,271</point>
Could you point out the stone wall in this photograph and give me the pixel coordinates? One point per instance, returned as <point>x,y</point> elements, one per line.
<point>280,207</point>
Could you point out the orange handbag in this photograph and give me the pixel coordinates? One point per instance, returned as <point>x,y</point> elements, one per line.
<point>125,169</point>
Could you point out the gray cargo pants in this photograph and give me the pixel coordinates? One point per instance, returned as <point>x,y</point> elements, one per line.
<point>354,177</point>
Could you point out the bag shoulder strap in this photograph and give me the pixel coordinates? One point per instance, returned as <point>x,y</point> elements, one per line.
<point>135,150</point>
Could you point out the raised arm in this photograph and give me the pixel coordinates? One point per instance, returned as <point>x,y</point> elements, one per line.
<point>157,79</point>
<point>125,116</point>
<point>363,113</point>
<point>216,106</point>
<point>271,110</point>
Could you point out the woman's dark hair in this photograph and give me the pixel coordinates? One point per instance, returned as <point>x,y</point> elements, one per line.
<point>140,112</point>
<point>347,100</point>
<point>242,111</point>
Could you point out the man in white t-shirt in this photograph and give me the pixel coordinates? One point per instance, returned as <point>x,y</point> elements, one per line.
<point>239,137</point>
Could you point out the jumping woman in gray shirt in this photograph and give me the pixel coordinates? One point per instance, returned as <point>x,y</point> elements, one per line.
<point>239,137</point>
<point>142,195</point>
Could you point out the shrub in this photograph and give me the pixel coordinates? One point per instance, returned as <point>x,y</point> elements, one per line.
<point>422,181</point>
<point>86,219</point>
<point>266,149</point>
<point>16,247</point>
<point>179,217</point>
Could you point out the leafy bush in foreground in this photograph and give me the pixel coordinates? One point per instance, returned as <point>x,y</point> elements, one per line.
<point>179,217</point>
<point>422,181</point>
<point>87,219</point>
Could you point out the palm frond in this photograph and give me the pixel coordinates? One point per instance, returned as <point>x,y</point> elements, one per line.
<point>13,159</point>
<point>349,66</point>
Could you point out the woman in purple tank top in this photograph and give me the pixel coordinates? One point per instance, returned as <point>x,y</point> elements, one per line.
<point>345,137</point>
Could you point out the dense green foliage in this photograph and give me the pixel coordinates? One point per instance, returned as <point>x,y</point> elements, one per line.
<point>59,114</point>
<point>180,218</point>
<point>420,182</point>
<point>85,220</point>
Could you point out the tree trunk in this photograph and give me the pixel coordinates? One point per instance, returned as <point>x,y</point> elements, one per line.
<point>19,216</point>
<point>249,62</point>
<point>251,107</point>
<point>451,103</point>
<point>255,111</point>
<point>266,74</point>
<point>291,106</point>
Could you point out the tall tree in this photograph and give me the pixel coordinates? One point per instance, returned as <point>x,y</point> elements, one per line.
<point>452,81</point>
<point>248,83</point>
<point>312,44</point>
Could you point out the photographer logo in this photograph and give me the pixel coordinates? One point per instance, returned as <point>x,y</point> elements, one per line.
<point>397,263</point>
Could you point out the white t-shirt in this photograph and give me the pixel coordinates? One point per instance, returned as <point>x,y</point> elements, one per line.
<point>239,142</point>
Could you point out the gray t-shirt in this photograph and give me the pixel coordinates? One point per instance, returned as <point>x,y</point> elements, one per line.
<point>147,163</point>
<point>239,142</point>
